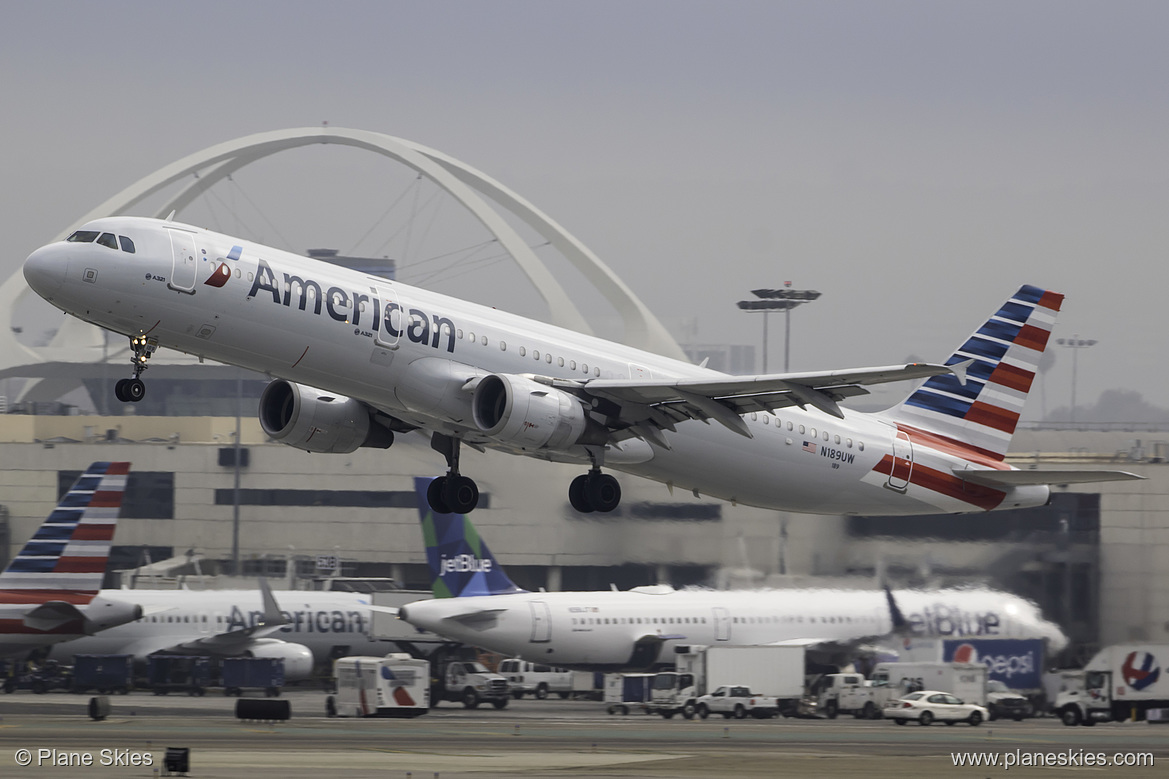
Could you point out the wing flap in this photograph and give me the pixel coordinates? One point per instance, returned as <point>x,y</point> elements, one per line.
<point>1008,479</point>
<point>725,398</point>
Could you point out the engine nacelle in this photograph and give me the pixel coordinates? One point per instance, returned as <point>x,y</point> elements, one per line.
<point>318,421</point>
<point>298,658</point>
<point>104,613</point>
<point>518,411</point>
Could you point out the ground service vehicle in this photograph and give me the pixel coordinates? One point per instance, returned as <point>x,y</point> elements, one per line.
<point>624,692</point>
<point>1004,703</point>
<point>536,679</point>
<point>773,671</point>
<point>738,702</point>
<point>470,683</point>
<point>963,680</point>
<point>925,706</point>
<point>1122,681</point>
<point>832,694</point>
<point>396,685</point>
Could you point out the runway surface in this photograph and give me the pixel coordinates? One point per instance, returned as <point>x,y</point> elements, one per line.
<point>552,738</point>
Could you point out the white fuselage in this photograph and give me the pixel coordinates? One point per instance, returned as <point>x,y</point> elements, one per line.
<point>329,624</point>
<point>324,326</point>
<point>601,629</point>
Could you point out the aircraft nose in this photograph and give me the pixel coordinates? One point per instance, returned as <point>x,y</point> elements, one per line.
<point>45,269</point>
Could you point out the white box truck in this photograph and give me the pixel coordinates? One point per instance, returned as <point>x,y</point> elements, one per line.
<point>963,680</point>
<point>1122,681</point>
<point>396,685</point>
<point>773,671</point>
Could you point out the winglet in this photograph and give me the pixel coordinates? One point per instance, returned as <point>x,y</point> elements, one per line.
<point>273,616</point>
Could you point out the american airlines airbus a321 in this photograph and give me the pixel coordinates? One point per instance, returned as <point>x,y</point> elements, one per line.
<point>357,358</point>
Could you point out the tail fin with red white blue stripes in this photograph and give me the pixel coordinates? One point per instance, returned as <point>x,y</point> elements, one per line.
<point>996,366</point>
<point>68,553</point>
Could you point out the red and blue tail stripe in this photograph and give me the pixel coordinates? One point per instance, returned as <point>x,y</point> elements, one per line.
<point>68,553</point>
<point>1001,360</point>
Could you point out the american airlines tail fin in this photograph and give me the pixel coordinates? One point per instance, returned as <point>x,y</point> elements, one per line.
<point>68,553</point>
<point>460,563</point>
<point>979,404</point>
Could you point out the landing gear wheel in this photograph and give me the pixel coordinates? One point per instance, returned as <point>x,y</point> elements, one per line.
<point>603,491</point>
<point>434,496</point>
<point>134,390</point>
<point>120,390</point>
<point>578,494</point>
<point>460,493</point>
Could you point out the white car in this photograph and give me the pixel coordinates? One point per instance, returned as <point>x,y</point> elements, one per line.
<point>926,706</point>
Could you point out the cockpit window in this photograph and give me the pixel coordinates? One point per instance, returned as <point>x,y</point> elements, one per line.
<point>127,244</point>
<point>82,236</point>
<point>108,240</point>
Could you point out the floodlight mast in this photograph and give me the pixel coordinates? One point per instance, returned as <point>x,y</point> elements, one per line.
<point>778,300</point>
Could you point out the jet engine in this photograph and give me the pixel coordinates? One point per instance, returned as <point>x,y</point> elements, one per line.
<point>318,421</point>
<point>298,658</point>
<point>518,411</point>
<point>104,613</point>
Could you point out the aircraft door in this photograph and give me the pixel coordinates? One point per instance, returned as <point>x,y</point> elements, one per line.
<point>902,462</point>
<point>541,622</point>
<point>393,319</point>
<point>185,261</point>
<point>722,624</point>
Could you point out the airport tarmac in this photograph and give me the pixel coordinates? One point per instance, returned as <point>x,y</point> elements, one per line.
<point>530,738</point>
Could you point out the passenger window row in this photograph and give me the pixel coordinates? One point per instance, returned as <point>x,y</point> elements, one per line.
<point>108,240</point>
<point>805,430</point>
<point>537,355</point>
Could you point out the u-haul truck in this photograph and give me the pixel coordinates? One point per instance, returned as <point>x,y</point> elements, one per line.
<point>396,685</point>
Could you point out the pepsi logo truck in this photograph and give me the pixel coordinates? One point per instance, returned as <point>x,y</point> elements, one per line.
<point>1121,682</point>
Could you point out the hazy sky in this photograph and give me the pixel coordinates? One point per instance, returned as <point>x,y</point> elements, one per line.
<point>913,161</point>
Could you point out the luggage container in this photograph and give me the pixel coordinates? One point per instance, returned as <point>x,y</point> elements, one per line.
<point>104,673</point>
<point>263,673</point>
<point>178,673</point>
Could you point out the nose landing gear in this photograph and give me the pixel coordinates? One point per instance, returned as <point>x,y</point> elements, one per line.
<point>133,390</point>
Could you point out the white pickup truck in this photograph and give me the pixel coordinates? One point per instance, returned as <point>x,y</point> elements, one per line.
<point>738,702</point>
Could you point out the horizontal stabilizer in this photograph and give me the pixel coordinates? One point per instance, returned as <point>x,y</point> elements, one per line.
<point>1010,479</point>
<point>52,614</point>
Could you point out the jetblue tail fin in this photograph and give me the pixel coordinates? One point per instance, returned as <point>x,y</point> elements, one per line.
<point>70,549</point>
<point>460,563</point>
<point>979,405</point>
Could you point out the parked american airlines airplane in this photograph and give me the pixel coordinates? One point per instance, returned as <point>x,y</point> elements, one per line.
<point>476,603</point>
<point>49,592</point>
<point>305,628</point>
<point>358,359</point>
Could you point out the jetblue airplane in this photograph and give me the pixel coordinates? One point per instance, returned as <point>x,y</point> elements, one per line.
<point>50,590</point>
<point>476,603</point>
<point>309,628</point>
<point>357,358</point>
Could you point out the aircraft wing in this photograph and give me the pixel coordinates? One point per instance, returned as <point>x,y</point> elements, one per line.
<point>642,404</point>
<point>476,619</point>
<point>992,478</point>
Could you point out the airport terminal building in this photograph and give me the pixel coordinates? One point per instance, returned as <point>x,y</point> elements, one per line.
<point>1096,559</point>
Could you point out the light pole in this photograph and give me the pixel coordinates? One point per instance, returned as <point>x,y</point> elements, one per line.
<point>778,300</point>
<point>1075,343</point>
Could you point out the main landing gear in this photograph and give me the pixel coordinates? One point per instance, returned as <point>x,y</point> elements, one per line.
<point>133,390</point>
<point>453,493</point>
<point>594,491</point>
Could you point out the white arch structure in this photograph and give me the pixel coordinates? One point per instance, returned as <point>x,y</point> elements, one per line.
<point>77,341</point>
